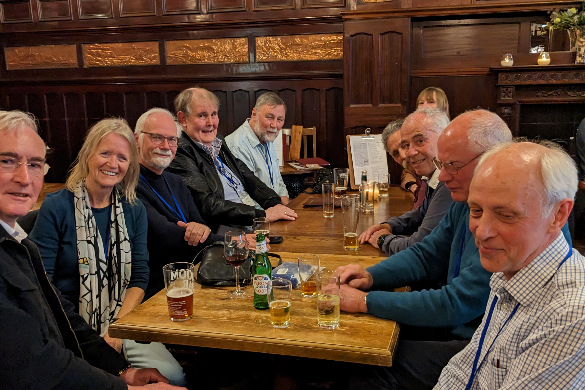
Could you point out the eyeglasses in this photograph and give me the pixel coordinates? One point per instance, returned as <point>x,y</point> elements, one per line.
<point>158,139</point>
<point>450,168</point>
<point>36,168</point>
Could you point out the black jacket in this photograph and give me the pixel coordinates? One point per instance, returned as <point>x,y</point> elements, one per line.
<point>196,168</point>
<point>166,242</point>
<point>44,344</point>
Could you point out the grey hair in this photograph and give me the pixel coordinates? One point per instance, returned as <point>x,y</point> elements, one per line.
<point>557,168</point>
<point>433,119</point>
<point>271,99</point>
<point>15,120</point>
<point>390,129</point>
<point>184,99</point>
<point>487,130</point>
<point>139,128</point>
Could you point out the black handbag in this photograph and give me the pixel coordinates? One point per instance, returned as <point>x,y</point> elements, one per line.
<point>214,271</point>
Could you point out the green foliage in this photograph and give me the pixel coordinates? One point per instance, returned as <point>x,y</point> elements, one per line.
<point>573,18</point>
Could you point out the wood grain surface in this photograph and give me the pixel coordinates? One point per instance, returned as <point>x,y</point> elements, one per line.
<point>224,323</point>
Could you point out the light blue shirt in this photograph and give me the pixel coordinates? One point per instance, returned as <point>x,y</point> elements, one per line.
<point>260,158</point>
<point>542,345</point>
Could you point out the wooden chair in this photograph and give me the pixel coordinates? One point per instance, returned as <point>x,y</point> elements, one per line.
<point>300,135</point>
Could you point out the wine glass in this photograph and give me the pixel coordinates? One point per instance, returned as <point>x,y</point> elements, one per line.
<point>235,251</point>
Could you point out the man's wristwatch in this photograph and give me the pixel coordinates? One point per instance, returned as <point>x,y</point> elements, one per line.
<point>381,239</point>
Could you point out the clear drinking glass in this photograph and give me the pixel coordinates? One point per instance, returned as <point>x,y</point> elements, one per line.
<point>340,181</point>
<point>308,268</point>
<point>328,304</point>
<point>383,184</point>
<point>261,225</point>
<point>280,302</point>
<point>235,250</point>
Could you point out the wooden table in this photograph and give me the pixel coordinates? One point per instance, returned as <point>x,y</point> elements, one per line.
<point>313,233</point>
<point>220,322</point>
<point>223,323</point>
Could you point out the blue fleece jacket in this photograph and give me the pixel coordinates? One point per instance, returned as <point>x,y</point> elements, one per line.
<point>460,301</point>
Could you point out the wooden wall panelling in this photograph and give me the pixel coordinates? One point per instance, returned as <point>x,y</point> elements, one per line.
<point>477,42</point>
<point>137,8</point>
<point>226,5</point>
<point>54,10</point>
<point>95,9</point>
<point>456,54</point>
<point>65,112</point>
<point>464,92</point>
<point>16,12</point>
<point>376,70</point>
<point>181,6</point>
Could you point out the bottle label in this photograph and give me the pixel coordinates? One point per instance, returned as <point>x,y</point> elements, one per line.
<point>262,284</point>
<point>261,247</point>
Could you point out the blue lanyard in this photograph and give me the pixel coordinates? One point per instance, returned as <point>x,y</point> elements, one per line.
<point>268,160</point>
<point>460,254</point>
<point>475,367</point>
<point>178,212</point>
<point>225,173</point>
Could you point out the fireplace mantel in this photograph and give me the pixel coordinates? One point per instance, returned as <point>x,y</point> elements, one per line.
<point>547,85</point>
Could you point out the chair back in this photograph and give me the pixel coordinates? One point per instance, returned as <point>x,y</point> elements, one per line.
<point>299,136</point>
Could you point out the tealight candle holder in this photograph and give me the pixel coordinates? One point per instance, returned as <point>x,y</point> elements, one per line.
<point>507,60</point>
<point>543,58</point>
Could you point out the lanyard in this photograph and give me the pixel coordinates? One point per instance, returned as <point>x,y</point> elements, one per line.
<point>475,367</point>
<point>268,160</point>
<point>460,254</point>
<point>227,174</point>
<point>178,212</point>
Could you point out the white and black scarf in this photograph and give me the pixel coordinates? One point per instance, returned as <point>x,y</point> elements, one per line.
<point>103,280</point>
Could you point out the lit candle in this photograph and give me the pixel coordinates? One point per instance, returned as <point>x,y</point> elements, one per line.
<point>507,60</point>
<point>543,58</point>
<point>376,191</point>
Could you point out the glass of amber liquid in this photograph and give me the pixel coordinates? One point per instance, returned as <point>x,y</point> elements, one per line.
<point>308,268</point>
<point>279,302</point>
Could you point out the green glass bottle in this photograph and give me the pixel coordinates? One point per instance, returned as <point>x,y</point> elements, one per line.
<point>262,274</point>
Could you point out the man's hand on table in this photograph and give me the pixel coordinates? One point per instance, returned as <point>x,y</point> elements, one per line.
<point>147,378</point>
<point>280,211</point>
<point>195,233</point>
<point>373,232</point>
<point>352,300</point>
<point>355,276</point>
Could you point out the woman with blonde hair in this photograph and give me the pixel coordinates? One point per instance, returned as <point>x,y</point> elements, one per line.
<point>433,97</point>
<point>92,234</point>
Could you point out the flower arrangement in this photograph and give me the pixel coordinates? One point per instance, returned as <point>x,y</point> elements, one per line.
<point>570,19</point>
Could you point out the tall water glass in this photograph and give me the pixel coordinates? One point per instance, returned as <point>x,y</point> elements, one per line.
<point>340,180</point>
<point>327,194</point>
<point>350,211</point>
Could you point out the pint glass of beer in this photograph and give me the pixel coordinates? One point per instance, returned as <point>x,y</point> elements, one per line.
<point>179,281</point>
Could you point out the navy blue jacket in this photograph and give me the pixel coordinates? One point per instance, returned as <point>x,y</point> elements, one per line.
<point>166,243</point>
<point>44,343</point>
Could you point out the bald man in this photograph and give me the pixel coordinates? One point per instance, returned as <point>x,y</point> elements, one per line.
<point>533,335</point>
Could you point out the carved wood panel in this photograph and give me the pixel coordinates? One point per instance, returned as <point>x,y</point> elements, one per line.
<point>376,60</point>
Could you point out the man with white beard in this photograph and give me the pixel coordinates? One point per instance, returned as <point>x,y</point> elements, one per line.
<point>174,223</point>
<point>253,141</point>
